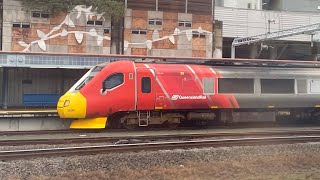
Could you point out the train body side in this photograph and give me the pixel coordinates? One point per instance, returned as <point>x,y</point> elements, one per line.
<point>303,93</point>
<point>197,87</point>
<point>190,88</point>
<point>180,86</point>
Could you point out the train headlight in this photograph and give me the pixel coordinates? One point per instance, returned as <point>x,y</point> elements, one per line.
<point>66,103</point>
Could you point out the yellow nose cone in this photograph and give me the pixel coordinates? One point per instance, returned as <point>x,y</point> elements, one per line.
<point>72,105</point>
<point>90,123</point>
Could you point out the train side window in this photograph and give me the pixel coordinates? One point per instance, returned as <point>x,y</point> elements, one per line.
<point>208,85</point>
<point>277,86</point>
<point>236,85</point>
<point>113,81</point>
<point>145,85</point>
<point>315,86</point>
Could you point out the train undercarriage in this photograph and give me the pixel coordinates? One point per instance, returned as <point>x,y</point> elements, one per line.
<point>173,119</point>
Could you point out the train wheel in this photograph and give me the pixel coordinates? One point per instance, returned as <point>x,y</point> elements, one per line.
<point>173,123</point>
<point>202,123</point>
<point>113,124</point>
<point>130,124</point>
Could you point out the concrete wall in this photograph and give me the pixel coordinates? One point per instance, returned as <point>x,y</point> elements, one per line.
<point>168,39</point>
<point>277,5</point>
<point>300,5</point>
<point>70,33</point>
<point>53,42</point>
<point>12,12</point>
<point>244,22</point>
<point>33,124</point>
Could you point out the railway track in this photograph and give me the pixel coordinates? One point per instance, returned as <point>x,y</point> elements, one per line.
<point>128,137</point>
<point>120,148</point>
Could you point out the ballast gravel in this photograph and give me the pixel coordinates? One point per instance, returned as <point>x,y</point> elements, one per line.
<point>295,161</point>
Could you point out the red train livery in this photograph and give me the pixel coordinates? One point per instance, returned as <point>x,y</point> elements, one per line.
<point>130,94</point>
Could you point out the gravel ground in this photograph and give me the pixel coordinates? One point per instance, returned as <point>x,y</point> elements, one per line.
<point>297,161</point>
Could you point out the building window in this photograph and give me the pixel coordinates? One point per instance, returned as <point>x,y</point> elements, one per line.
<point>95,23</point>
<point>249,5</point>
<point>155,21</point>
<point>139,31</point>
<point>196,34</point>
<point>16,25</point>
<point>185,23</point>
<point>90,22</point>
<point>106,31</point>
<point>20,25</point>
<point>236,85</point>
<point>145,85</point>
<point>277,86</point>
<point>39,14</point>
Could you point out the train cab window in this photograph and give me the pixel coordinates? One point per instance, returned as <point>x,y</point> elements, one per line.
<point>83,83</point>
<point>277,86</point>
<point>113,81</point>
<point>145,85</point>
<point>236,85</point>
<point>207,85</point>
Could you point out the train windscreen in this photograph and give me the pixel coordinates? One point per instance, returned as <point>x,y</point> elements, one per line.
<point>86,78</point>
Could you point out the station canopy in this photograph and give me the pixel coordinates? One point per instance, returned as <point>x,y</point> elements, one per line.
<point>87,61</point>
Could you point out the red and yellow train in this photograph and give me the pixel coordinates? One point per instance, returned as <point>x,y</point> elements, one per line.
<point>132,94</point>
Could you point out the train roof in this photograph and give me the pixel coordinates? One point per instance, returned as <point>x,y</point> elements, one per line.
<point>234,62</point>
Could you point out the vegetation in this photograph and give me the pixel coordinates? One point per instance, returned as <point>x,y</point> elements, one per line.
<point>113,8</point>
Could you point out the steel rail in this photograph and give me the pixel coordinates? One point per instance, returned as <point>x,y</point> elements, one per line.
<point>151,137</point>
<point>121,148</point>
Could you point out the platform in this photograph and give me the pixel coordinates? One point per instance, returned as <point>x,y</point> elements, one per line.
<point>28,113</point>
<point>32,120</point>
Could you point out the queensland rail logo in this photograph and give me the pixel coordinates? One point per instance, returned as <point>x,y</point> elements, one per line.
<point>176,97</point>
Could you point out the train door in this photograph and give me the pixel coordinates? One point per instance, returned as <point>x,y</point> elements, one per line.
<point>145,91</point>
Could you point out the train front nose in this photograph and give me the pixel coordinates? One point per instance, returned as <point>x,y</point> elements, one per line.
<point>72,105</point>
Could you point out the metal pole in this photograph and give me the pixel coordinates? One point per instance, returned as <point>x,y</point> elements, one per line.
<point>157,5</point>
<point>186,9</point>
<point>233,51</point>
<point>1,26</point>
<point>212,9</point>
<point>213,42</point>
<point>5,84</point>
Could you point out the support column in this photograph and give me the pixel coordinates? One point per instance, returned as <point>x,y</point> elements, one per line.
<point>273,52</point>
<point>233,51</point>
<point>5,84</point>
<point>62,78</point>
<point>217,39</point>
<point>314,51</point>
<point>253,52</point>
